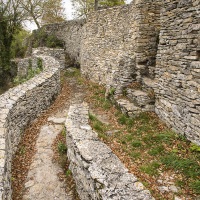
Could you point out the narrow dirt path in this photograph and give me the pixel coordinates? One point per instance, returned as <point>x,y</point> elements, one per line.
<point>35,174</point>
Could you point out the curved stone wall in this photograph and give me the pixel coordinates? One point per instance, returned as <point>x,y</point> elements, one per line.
<point>18,107</point>
<point>98,173</point>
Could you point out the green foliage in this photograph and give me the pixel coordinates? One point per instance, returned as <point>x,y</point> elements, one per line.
<point>39,64</point>
<point>195,147</point>
<point>136,143</point>
<point>156,150</point>
<point>22,150</point>
<point>111,3</point>
<point>73,73</point>
<point>68,173</point>
<point>98,126</point>
<point>62,148</point>
<point>84,7</point>
<point>9,24</point>
<point>112,91</point>
<point>125,120</point>
<point>40,38</point>
<point>64,132</point>
<point>189,167</point>
<point>19,46</point>
<point>196,186</point>
<point>151,168</point>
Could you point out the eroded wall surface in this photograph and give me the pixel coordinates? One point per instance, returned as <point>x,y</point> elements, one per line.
<point>178,67</point>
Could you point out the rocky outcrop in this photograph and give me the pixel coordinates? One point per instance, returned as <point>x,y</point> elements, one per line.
<point>98,173</point>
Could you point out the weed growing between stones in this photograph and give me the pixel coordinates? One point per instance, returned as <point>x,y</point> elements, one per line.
<point>167,163</point>
<point>60,156</point>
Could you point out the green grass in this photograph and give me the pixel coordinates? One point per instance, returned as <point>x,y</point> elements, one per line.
<point>196,186</point>
<point>136,143</point>
<point>62,148</point>
<point>152,146</point>
<point>150,168</point>
<point>189,167</point>
<point>98,126</point>
<point>158,150</point>
<point>73,73</point>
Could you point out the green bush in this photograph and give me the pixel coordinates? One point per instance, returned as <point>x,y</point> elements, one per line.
<point>41,38</point>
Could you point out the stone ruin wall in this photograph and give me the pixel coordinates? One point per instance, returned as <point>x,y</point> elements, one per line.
<point>178,67</point>
<point>70,33</point>
<point>18,107</point>
<point>98,173</point>
<point>118,44</point>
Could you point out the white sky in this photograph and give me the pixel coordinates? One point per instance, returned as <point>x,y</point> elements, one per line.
<point>68,10</point>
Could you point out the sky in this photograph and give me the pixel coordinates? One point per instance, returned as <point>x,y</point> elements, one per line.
<point>68,11</point>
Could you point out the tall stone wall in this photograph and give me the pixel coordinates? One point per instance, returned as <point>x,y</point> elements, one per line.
<point>178,67</point>
<point>18,107</point>
<point>70,32</point>
<point>118,44</point>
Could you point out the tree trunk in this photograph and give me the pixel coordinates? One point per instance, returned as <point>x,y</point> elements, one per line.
<point>96,5</point>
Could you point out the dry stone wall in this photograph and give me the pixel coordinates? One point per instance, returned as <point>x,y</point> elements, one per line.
<point>18,107</point>
<point>70,32</point>
<point>31,63</point>
<point>98,173</point>
<point>178,67</point>
<point>118,44</point>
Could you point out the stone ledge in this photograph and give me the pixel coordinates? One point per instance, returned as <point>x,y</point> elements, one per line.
<point>98,173</point>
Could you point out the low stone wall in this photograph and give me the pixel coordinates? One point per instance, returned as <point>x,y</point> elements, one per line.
<point>18,107</point>
<point>23,65</point>
<point>98,173</point>
<point>178,68</point>
<point>58,54</point>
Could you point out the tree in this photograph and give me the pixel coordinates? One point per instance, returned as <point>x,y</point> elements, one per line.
<point>34,10</point>
<point>84,7</point>
<point>53,12</point>
<point>11,17</point>
<point>43,11</point>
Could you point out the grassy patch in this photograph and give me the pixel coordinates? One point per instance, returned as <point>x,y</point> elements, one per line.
<point>98,126</point>
<point>151,168</point>
<point>154,148</point>
<point>72,73</point>
<point>62,148</point>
